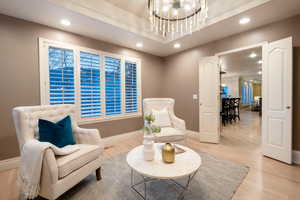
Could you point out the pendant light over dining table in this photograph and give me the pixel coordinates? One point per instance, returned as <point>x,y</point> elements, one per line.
<point>171,18</point>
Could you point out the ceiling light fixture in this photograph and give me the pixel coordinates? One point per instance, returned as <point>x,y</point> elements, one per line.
<point>253,55</point>
<point>65,22</point>
<point>245,20</point>
<point>177,17</point>
<point>139,45</point>
<point>177,45</point>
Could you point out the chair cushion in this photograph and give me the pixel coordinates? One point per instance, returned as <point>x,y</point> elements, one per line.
<point>69,163</point>
<point>60,133</point>
<point>169,134</point>
<point>162,117</point>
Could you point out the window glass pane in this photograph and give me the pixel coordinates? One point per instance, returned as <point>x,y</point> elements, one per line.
<point>113,86</point>
<point>131,98</point>
<point>90,85</point>
<point>61,76</point>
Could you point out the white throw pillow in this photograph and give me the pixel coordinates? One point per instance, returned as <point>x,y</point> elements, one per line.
<point>162,118</point>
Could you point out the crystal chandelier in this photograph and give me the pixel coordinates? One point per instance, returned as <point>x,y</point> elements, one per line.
<point>176,17</point>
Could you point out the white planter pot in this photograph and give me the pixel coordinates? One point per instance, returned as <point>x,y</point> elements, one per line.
<point>149,150</point>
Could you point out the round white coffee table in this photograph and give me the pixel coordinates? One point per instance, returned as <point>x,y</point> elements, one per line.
<point>186,165</point>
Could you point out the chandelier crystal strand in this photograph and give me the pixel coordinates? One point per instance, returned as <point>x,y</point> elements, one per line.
<point>177,26</point>
<point>169,30</point>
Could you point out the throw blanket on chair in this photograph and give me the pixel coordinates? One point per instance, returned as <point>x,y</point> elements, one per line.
<point>31,164</point>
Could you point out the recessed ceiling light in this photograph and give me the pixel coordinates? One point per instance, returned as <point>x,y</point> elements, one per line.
<point>253,55</point>
<point>139,45</point>
<point>177,45</point>
<point>260,62</point>
<point>259,72</point>
<point>65,22</point>
<point>245,20</point>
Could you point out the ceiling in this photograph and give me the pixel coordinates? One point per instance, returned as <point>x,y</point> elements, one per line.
<point>242,65</point>
<point>125,22</point>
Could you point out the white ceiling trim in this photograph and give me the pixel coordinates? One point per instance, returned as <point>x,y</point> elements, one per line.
<point>108,13</point>
<point>225,16</point>
<point>111,14</point>
<point>121,27</point>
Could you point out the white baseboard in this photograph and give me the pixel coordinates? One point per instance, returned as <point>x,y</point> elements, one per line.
<point>108,141</point>
<point>296,157</point>
<point>8,164</point>
<point>13,163</point>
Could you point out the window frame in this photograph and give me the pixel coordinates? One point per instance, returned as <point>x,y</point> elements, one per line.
<point>44,79</point>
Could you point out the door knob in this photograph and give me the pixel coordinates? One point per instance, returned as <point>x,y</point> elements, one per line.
<point>288,107</point>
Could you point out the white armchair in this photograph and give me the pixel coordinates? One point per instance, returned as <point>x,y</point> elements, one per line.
<point>176,131</point>
<point>60,173</point>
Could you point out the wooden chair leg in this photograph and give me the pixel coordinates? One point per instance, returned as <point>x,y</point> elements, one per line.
<point>98,174</point>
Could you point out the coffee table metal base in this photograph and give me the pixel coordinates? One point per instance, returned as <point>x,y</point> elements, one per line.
<point>145,180</point>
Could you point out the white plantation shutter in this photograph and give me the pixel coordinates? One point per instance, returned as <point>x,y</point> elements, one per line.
<point>90,78</point>
<point>131,95</point>
<point>61,76</point>
<point>101,85</point>
<point>113,88</point>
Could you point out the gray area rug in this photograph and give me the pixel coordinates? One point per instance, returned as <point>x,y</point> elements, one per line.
<point>216,180</point>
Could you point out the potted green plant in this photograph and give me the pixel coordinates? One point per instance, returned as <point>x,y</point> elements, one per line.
<point>149,130</point>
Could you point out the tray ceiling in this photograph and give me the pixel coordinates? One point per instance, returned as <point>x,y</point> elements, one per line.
<point>125,22</point>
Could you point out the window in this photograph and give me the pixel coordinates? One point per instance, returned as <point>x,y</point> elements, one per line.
<point>61,76</point>
<point>90,85</point>
<point>113,85</point>
<point>102,85</point>
<point>131,95</point>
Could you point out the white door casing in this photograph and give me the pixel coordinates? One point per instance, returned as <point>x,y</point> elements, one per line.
<point>277,100</point>
<point>209,103</point>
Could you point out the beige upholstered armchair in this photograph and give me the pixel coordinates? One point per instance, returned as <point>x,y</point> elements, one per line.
<point>60,173</point>
<point>174,131</point>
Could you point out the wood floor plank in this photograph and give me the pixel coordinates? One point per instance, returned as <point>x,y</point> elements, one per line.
<point>268,179</point>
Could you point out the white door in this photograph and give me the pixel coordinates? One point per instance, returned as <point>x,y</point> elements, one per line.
<point>209,103</point>
<point>277,100</point>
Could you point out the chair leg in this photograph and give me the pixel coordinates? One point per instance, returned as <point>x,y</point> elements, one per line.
<point>98,174</point>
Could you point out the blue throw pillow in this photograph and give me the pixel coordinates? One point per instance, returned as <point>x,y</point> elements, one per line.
<point>60,133</point>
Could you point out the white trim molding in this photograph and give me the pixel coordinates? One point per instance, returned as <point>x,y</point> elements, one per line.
<point>13,163</point>
<point>44,45</point>
<point>10,163</point>
<point>296,157</point>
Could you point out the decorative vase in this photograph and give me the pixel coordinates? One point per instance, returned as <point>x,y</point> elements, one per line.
<point>168,153</point>
<point>149,150</point>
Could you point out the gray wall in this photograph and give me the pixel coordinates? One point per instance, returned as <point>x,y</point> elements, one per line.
<point>181,70</point>
<point>174,76</point>
<point>19,77</point>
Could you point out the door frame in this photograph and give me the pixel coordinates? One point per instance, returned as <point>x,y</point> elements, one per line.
<point>264,46</point>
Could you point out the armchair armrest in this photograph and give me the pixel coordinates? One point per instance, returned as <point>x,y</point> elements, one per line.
<point>178,123</point>
<point>49,169</point>
<point>88,136</point>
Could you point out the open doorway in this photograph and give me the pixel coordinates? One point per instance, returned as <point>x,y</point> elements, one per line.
<point>277,90</point>
<point>241,95</point>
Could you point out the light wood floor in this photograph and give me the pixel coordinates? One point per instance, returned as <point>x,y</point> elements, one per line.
<point>267,180</point>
